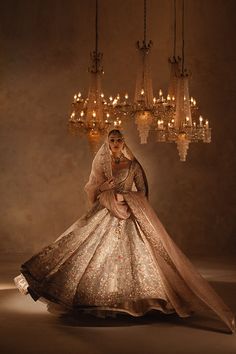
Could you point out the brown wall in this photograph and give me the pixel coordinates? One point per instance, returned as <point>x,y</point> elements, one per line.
<point>44,55</point>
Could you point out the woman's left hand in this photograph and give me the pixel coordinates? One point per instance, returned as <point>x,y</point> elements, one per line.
<point>119,197</point>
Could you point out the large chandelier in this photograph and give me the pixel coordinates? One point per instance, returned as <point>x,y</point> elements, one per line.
<point>146,108</point>
<point>180,122</point>
<point>94,115</point>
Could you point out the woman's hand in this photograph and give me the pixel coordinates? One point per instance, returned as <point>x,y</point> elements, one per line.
<point>107,185</point>
<point>119,197</point>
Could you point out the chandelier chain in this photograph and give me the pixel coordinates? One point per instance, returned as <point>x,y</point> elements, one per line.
<point>183,39</point>
<point>174,44</point>
<point>145,22</point>
<point>96,34</point>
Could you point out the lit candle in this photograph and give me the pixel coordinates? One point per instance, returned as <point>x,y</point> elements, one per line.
<point>111,98</point>
<point>82,113</point>
<point>194,102</point>
<point>94,114</point>
<point>200,120</point>
<point>173,98</point>
<point>160,93</point>
<point>126,96</point>
<point>187,120</point>
<point>79,94</point>
<point>168,98</point>
<point>142,92</point>
<point>108,115</point>
<point>207,124</point>
<point>102,95</point>
<point>154,100</point>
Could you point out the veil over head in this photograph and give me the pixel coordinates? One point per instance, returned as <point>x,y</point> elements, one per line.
<point>101,169</point>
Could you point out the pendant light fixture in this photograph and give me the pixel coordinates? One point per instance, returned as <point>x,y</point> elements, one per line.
<point>94,115</point>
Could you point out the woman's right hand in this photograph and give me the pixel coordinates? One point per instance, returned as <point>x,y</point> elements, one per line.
<point>109,184</point>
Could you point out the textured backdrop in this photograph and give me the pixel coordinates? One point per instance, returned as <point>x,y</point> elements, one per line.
<point>44,55</point>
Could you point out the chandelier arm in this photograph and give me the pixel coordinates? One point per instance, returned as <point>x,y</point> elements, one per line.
<point>183,39</point>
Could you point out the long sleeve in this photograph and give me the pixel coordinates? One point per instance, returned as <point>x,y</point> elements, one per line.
<point>140,180</point>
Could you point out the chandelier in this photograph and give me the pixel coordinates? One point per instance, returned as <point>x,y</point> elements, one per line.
<point>146,108</point>
<point>180,123</point>
<point>94,115</point>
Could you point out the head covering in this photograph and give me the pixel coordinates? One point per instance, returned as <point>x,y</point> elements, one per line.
<point>101,170</point>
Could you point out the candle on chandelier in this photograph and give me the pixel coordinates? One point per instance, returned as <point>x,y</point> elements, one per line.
<point>200,120</point>
<point>168,97</point>
<point>82,113</point>
<point>207,124</point>
<point>126,96</point>
<point>154,100</point>
<point>160,124</point>
<point>160,93</point>
<point>142,92</point>
<point>173,98</point>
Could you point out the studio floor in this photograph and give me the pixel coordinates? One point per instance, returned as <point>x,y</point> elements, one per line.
<point>27,327</point>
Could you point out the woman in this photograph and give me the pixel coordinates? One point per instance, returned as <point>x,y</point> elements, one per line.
<point>118,257</point>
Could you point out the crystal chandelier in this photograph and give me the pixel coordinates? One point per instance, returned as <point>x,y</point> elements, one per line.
<point>178,123</point>
<point>146,108</point>
<point>94,115</point>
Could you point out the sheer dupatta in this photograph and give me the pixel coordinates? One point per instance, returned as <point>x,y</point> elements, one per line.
<point>187,290</point>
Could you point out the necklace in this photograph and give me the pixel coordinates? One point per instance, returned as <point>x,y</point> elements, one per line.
<point>117,159</point>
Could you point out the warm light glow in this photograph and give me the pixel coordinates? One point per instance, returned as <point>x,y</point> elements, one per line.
<point>94,114</point>
<point>160,92</point>
<point>126,96</point>
<point>142,92</point>
<point>82,113</point>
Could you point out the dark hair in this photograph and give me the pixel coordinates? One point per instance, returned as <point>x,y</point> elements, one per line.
<point>115,132</point>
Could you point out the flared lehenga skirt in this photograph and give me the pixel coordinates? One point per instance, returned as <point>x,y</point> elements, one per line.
<point>104,263</point>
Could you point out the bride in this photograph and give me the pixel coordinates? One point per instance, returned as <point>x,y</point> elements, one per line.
<point>118,257</point>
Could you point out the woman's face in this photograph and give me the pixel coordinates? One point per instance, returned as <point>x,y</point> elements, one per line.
<point>116,143</point>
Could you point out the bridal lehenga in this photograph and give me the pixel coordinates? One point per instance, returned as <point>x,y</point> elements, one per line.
<point>118,257</point>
